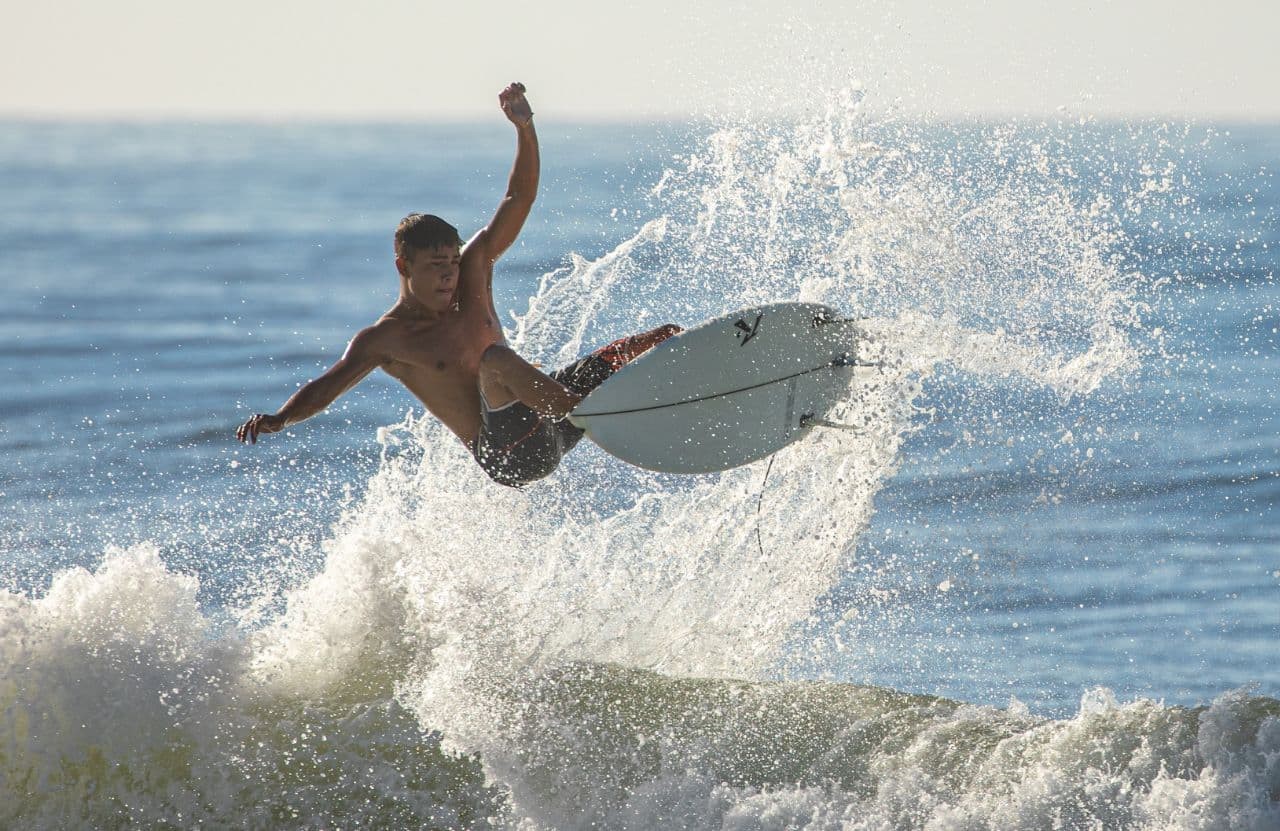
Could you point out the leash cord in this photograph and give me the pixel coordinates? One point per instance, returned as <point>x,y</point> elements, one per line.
<point>760,505</point>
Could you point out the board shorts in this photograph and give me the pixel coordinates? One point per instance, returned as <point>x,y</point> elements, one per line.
<point>517,446</point>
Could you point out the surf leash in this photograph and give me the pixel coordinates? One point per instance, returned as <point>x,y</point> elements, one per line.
<point>844,361</point>
<point>760,504</point>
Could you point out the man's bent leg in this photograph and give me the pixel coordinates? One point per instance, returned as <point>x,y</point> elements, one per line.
<point>506,377</point>
<point>516,446</point>
<point>624,350</point>
<point>590,371</point>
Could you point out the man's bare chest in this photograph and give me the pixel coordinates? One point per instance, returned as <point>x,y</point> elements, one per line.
<point>442,355</point>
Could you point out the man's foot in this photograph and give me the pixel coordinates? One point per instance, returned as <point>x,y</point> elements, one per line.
<point>624,350</point>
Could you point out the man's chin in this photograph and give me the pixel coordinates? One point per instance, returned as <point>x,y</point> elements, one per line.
<point>437,302</point>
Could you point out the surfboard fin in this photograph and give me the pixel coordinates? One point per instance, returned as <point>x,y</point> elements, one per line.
<point>811,421</point>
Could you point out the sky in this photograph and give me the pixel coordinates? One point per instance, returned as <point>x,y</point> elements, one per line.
<point>617,59</point>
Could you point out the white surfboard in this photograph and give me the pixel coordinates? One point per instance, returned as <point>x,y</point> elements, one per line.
<point>726,392</point>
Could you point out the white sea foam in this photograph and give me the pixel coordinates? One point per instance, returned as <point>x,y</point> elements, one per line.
<point>123,707</point>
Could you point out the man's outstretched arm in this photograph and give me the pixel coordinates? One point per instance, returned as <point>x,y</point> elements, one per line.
<point>358,361</point>
<point>522,188</point>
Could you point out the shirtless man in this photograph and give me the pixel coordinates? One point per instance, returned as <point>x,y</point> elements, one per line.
<point>442,340</point>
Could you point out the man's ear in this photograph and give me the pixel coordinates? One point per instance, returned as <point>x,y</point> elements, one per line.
<point>402,266</point>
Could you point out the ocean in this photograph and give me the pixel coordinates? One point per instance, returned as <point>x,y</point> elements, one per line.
<point>1039,588</point>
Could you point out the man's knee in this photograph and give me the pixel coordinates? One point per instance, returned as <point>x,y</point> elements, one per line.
<point>492,373</point>
<point>495,357</point>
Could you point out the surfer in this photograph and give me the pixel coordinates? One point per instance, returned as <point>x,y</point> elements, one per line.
<point>443,342</point>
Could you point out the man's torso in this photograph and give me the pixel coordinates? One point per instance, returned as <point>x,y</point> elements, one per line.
<point>439,360</point>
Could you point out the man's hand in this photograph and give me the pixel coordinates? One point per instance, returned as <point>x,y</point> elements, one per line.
<point>514,105</point>
<point>260,423</point>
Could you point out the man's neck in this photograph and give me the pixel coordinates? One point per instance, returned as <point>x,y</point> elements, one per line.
<point>410,308</point>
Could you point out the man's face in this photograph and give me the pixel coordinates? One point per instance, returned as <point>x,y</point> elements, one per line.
<point>432,275</point>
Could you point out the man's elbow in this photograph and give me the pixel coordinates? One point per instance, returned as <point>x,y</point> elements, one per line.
<point>522,197</point>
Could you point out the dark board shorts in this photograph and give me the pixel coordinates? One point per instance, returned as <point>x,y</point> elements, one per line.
<point>517,446</point>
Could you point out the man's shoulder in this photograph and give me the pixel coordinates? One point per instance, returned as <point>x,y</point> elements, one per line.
<point>378,339</point>
<point>391,320</point>
<point>476,253</point>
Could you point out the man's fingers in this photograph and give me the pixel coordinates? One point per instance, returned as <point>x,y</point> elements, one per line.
<point>514,104</point>
<point>248,431</point>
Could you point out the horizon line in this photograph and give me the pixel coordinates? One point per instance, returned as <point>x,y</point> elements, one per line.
<point>582,117</point>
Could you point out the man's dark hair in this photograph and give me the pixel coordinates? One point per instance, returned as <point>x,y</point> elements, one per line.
<point>417,232</point>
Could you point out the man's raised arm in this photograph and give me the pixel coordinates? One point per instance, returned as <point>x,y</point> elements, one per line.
<point>522,188</point>
<point>360,358</point>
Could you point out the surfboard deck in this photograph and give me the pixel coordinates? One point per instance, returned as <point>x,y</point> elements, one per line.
<point>726,392</point>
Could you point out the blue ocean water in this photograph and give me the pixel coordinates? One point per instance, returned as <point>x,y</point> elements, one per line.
<point>1041,591</point>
